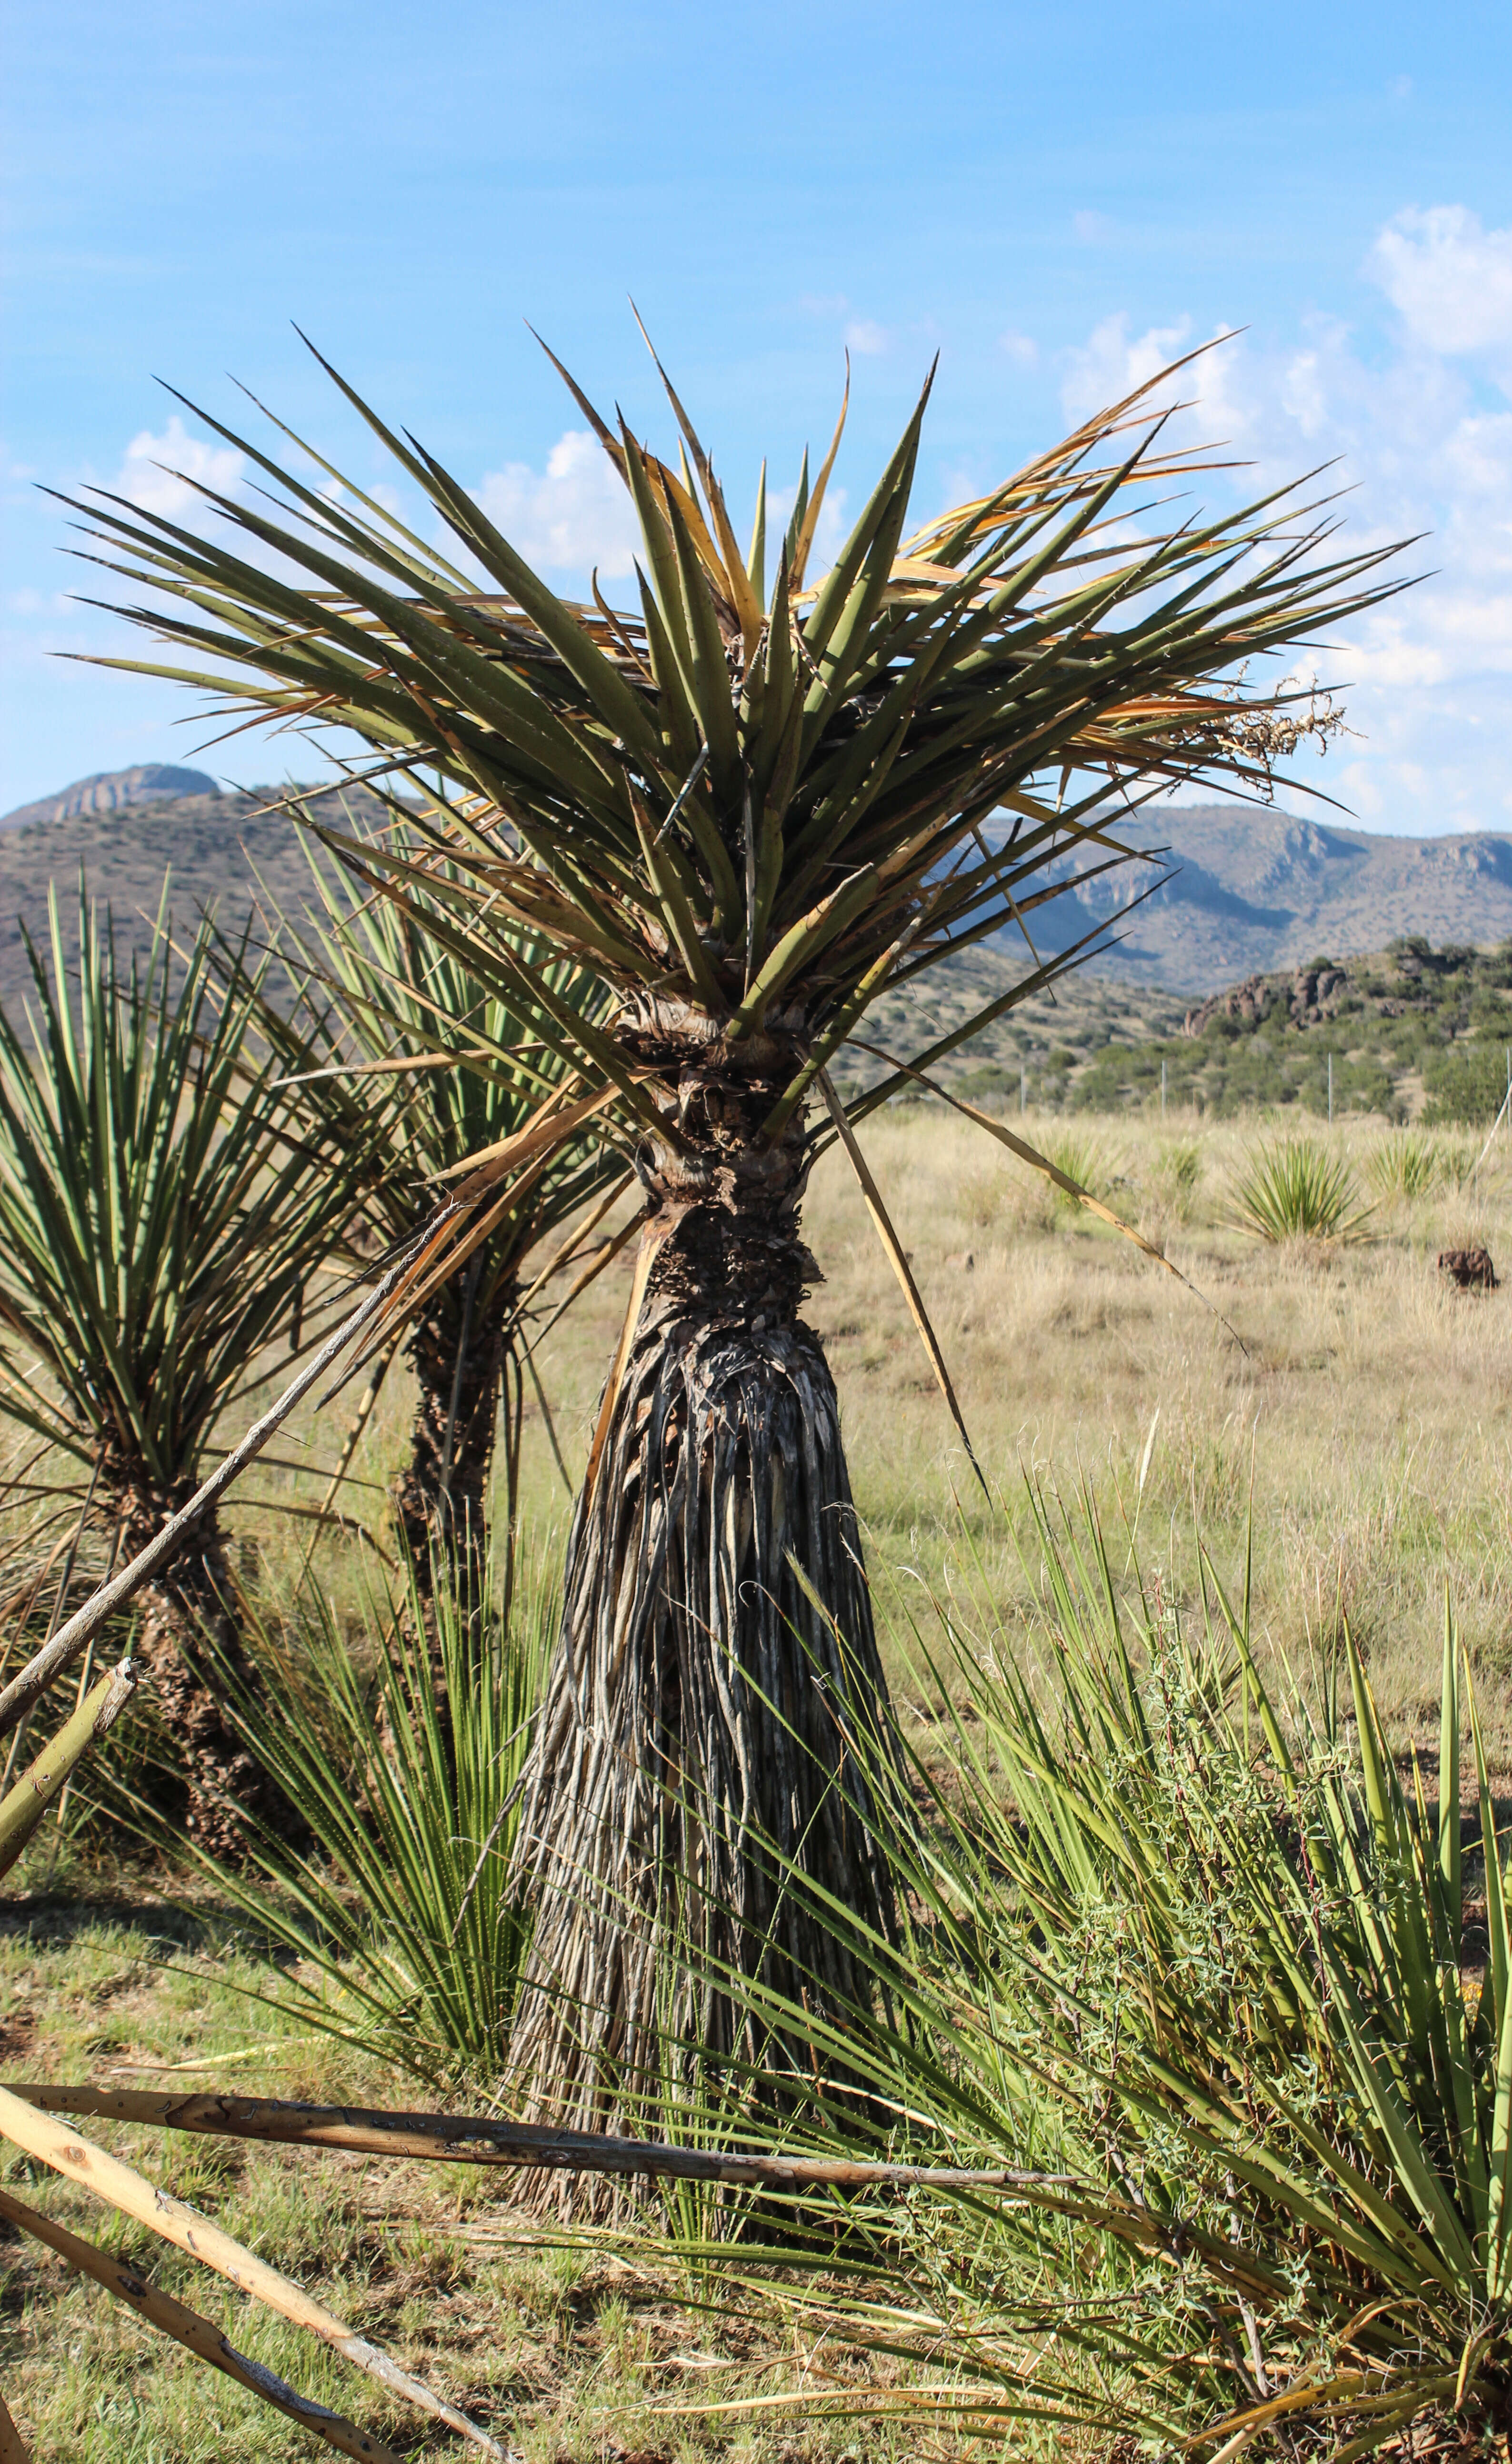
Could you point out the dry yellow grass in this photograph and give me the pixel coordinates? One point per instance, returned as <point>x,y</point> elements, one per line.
<point>583,2354</point>
<point>1364,1403</point>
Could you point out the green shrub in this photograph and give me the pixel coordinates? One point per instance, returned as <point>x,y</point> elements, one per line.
<point>1465,1083</point>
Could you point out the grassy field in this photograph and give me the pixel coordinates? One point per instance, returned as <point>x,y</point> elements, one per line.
<point>1346,1396</point>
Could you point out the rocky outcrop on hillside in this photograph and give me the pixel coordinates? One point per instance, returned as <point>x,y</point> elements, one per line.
<point>1312,994</point>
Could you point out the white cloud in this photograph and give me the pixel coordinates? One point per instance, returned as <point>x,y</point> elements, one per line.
<point>1021,348</point>
<point>867,338</point>
<point>569,518</point>
<point>1450,279</point>
<point>1427,676</point>
<point>158,469</point>
<point>1109,365</point>
<point>577,513</point>
<point>1091,228</point>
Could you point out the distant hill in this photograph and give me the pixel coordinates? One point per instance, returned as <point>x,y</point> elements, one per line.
<point>109,789</point>
<point>1411,1033</point>
<point>216,849</point>
<point>1252,890</point>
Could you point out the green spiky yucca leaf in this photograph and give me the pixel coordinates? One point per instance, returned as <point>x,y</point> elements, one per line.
<point>761,803</point>
<point>163,1208</point>
<point>1294,1189</point>
<point>1408,1164</point>
<point>392,1924</point>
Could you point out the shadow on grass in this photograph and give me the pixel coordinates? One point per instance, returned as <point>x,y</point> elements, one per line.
<point>51,1918</point>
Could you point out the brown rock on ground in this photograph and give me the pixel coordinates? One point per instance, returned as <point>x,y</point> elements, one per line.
<point>1471,1269</point>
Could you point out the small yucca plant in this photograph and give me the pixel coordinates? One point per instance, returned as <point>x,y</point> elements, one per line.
<point>385,1012</point>
<point>1406,1165</point>
<point>1081,1159</point>
<point>1190,1946</point>
<point>1293,1189</point>
<point>398,1913</point>
<point>163,1213</point>
<point>1178,1173</point>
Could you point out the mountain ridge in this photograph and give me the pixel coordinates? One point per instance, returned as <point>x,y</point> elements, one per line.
<point>1247,889</point>
<point>227,852</point>
<point>1256,890</point>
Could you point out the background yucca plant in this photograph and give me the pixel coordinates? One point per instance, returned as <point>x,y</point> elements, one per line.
<point>1408,1164</point>
<point>749,804</point>
<point>162,1214</point>
<point>1190,1946</point>
<point>1081,1159</point>
<point>1294,1189</point>
<point>397,1908</point>
<point>1177,1177</point>
<point>370,1049</point>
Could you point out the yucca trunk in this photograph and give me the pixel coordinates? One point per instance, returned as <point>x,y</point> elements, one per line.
<point>458,1351</point>
<point>716,1651</point>
<point>187,1637</point>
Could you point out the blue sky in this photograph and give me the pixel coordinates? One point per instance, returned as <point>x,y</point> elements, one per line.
<point>1053,199</point>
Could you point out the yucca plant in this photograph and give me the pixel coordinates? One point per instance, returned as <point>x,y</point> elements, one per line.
<point>370,1049</point>
<point>1190,1947</point>
<point>162,1215</point>
<point>397,1909</point>
<point>1178,1173</point>
<point>1081,1159</point>
<point>1406,1165</point>
<point>749,804</point>
<point>1293,1189</point>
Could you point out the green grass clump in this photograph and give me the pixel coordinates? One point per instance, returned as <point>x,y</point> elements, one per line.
<point>1081,1160</point>
<point>1293,1189</point>
<point>1176,1177</point>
